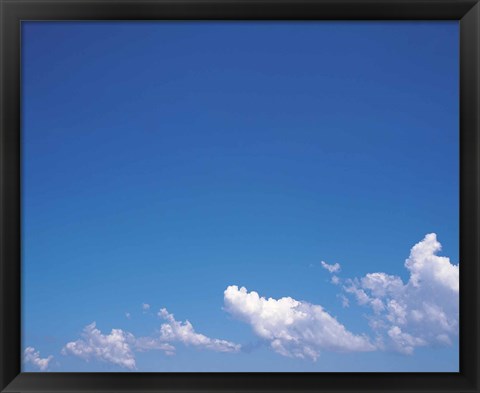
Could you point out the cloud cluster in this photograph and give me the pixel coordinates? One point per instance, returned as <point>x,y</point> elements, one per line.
<point>119,347</point>
<point>33,357</point>
<point>423,311</point>
<point>293,328</point>
<point>113,348</point>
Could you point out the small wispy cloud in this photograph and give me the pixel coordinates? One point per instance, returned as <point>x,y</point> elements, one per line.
<point>335,280</point>
<point>345,301</point>
<point>173,330</point>
<point>145,307</point>
<point>31,356</point>
<point>128,315</point>
<point>335,268</point>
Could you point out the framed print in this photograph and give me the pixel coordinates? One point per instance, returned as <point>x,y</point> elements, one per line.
<point>239,196</point>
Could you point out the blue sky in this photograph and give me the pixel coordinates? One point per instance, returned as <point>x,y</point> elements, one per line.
<point>164,162</point>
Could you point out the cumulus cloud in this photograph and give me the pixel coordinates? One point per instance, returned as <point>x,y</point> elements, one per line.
<point>423,311</point>
<point>335,268</point>
<point>113,348</point>
<point>31,356</point>
<point>425,266</point>
<point>119,347</point>
<point>293,328</point>
<point>173,330</point>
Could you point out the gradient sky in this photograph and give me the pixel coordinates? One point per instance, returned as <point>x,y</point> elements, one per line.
<point>166,161</point>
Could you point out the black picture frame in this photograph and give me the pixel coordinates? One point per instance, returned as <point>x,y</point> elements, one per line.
<point>13,12</point>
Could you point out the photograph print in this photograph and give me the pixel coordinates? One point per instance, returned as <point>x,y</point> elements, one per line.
<point>240,196</point>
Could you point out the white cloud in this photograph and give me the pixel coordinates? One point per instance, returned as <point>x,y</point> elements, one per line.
<point>404,342</point>
<point>335,268</point>
<point>128,315</point>
<point>381,284</point>
<point>33,357</point>
<point>184,332</point>
<point>113,348</point>
<point>345,301</point>
<point>335,280</point>
<point>143,344</point>
<point>423,311</point>
<point>293,328</point>
<point>360,294</point>
<point>425,266</point>
<point>119,347</point>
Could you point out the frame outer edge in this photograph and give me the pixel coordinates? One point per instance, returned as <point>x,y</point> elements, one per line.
<point>10,339</point>
<point>10,363</point>
<point>470,193</point>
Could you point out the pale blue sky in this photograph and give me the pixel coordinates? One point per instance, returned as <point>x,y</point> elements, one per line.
<point>165,161</point>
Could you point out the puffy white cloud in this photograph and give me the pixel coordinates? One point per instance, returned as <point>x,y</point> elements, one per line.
<point>427,267</point>
<point>423,311</point>
<point>173,330</point>
<point>33,357</point>
<point>293,328</point>
<point>381,284</point>
<point>113,348</point>
<point>335,268</point>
